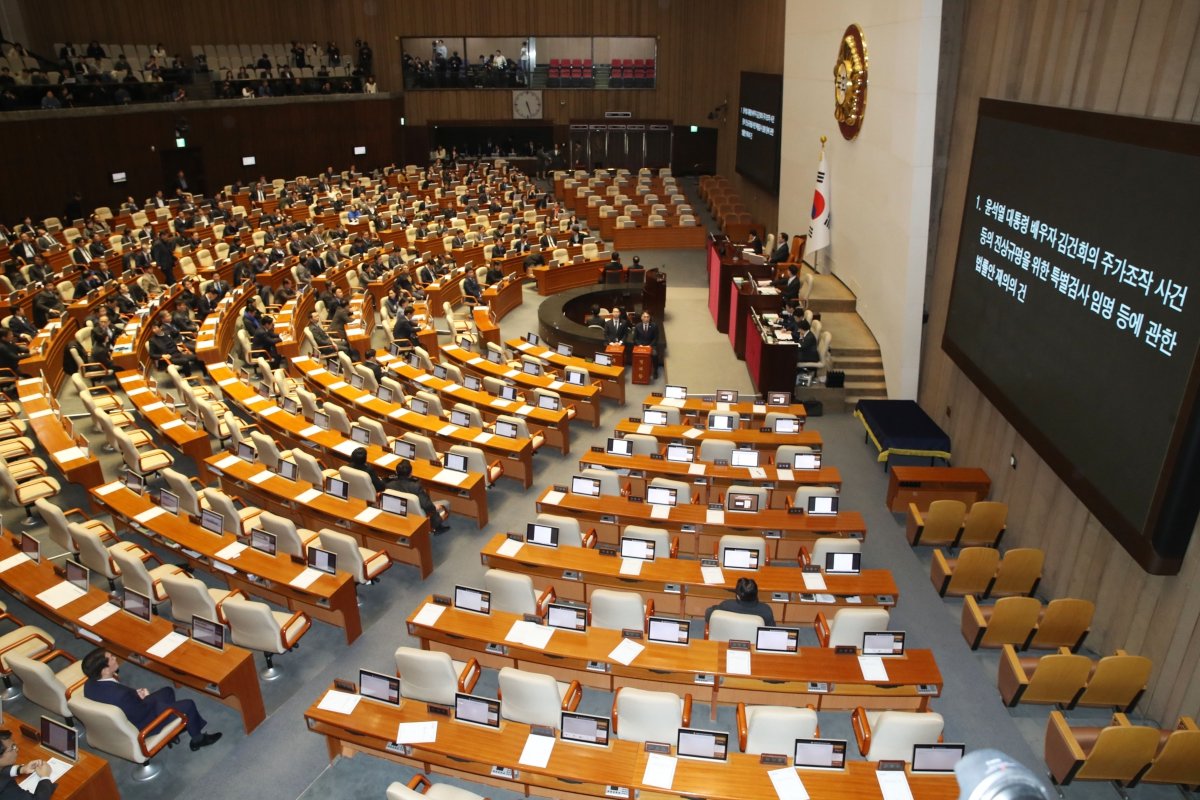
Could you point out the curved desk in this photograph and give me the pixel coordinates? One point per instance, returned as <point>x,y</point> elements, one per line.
<point>611,379</point>
<point>741,437</point>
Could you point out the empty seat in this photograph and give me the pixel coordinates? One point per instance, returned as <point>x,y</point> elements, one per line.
<point>1011,620</point>
<point>256,626</point>
<point>535,699</point>
<point>432,676</point>
<point>849,625</point>
<point>420,788</point>
<point>619,610</point>
<point>643,716</point>
<point>940,525</point>
<point>971,572</point>
<point>983,524</point>
<point>1019,573</point>
<point>1058,679</point>
<point>1178,759</point>
<point>514,593</point>
<point>1118,752</point>
<point>1117,681</point>
<point>570,534</point>
<point>890,735</point>
<point>725,625</point>
<point>1065,622</point>
<point>764,729</point>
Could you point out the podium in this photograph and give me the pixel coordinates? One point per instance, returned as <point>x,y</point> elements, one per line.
<point>617,353</point>
<point>643,364</point>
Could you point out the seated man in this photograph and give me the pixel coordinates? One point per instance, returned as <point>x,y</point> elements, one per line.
<point>745,601</point>
<point>405,482</point>
<point>11,772</point>
<point>140,706</point>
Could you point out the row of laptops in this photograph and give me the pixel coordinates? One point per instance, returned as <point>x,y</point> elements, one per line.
<point>722,423</point>
<point>747,502</point>
<point>686,453</point>
<point>777,399</point>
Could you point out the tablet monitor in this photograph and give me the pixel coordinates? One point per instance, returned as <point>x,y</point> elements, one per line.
<point>531,368</point>
<point>287,469</point>
<point>683,453</point>
<point>377,686</point>
<point>807,461</point>
<point>77,574</point>
<point>212,521</point>
<point>787,425</point>
<point>360,434</point>
<point>675,392</point>
<point>246,452</point>
<point>60,739</point>
<point>460,418</point>
<point>660,495</point>
<point>883,643</point>
<point>778,399</point>
<point>263,541</point>
<point>777,640</point>
<point>742,501</point>
<point>414,361</point>
<point>708,745</point>
<point>470,599</point>
<point>823,505</point>
<point>472,383</point>
<point>581,484</point>
<point>619,447</point>
<point>743,458</point>
<point>136,604</point>
<point>393,503</point>
<point>667,630</point>
<point>404,449</point>
<point>465,343</point>
<point>545,535</point>
<point>820,754</point>
<point>168,501</point>
<point>439,371</point>
<point>455,461</point>
<point>31,547</point>
<point>337,487</point>
<point>654,417</point>
<point>533,338</point>
<point>566,616</point>
<point>384,393</point>
<point>321,420</point>
<point>603,360</point>
<point>585,729</point>
<point>290,405</point>
<point>322,560</point>
<point>509,393</point>
<point>506,429</point>
<point>494,357</point>
<point>477,710</point>
<point>843,563</point>
<point>548,402</point>
<point>576,378</point>
<point>357,381</point>
<point>932,757</point>
<point>721,422</point>
<point>564,350</point>
<point>133,482</point>
<point>208,632</point>
<point>633,547</point>
<point>418,405</point>
<point>726,396</point>
<point>739,558</point>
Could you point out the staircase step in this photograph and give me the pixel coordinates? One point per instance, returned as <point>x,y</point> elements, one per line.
<point>863,375</point>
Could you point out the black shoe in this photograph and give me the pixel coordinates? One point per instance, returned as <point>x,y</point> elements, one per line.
<point>204,741</point>
<point>441,529</point>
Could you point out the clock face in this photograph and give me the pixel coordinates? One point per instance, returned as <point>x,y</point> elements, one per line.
<point>527,104</point>
<point>850,82</point>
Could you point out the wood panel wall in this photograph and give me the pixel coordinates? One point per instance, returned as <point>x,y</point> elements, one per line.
<point>1118,56</point>
<point>702,47</point>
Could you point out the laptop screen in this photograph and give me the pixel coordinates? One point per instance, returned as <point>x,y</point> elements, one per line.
<point>777,640</point>
<point>245,452</point>
<point>660,495</point>
<point>681,452</point>
<point>936,757</point>
<point>506,429</point>
<point>136,604</point>
<point>168,501</point>
<point>472,383</point>
<point>564,349</point>
<point>843,563</point>
<point>823,506</point>
<point>262,541</point>
<point>743,458</point>
<point>567,617</point>
<point>460,418</point>
<point>668,631</point>
<point>477,710</point>
<point>376,686</point>
<point>787,425</point>
<point>603,359</point>
<point>211,521</point>
<point>581,484</point>
<point>533,338</point>
<point>531,368</point>
<point>404,449</point>
<point>807,461</point>
<point>545,535</point>
<point>393,503</point>
<point>709,745</point>
<point>726,396</point>
<point>675,392</point>
<point>439,372</point>
<point>720,422</point>
<point>360,434</point>
<point>322,560</point>
<point>77,574</point>
<point>548,402</point>
<point>619,447</point>
<point>208,632</point>
<point>418,405</point>
<point>585,729</point>
<point>31,547</point>
<point>59,738</point>
<point>471,599</point>
<point>384,393</point>
<point>632,547</point>
<point>883,643</point>
<point>739,558</point>
<point>653,417</point>
<point>321,420</point>
<point>820,754</point>
<point>337,487</point>
<point>742,501</point>
<point>455,461</point>
<point>287,469</point>
<point>509,393</point>
<point>778,399</point>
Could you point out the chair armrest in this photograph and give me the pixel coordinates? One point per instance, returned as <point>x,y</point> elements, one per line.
<point>1063,754</point>
<point>76,686</point>
<point>687,709</point>
<point>940,572</point>
<point>298,617</point>
<point>916,524</point>
<point>29,638</point>
<point>154,723</point>
<point>674,547</point>
<point>378,554</point>
<point>46,658</point>
<point>743,729</point>
<point>974,623</point>
<point>1011,680</point>
<point>862,730</point>
<point>469,676</point>
<point>648,613</point>
<point>821,626</point>
<point>150,556</point>
<point>805,557</point>
<point>590,538</point>
<point>6,615</point>
<point>419,783</point>
<point>572,696</point>
<point>232,593</point>
<point>546,597</point>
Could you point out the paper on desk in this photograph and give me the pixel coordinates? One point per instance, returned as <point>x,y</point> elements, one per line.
<point>872,668</point>
<point>784,475</point>
<point>148,514</point>
<point>425,378</point>
<point>660,771</point>
<point>715,516</point>
<point>448,430</point>
<point>387,460</point>
<point>671,402</point>
<point>45,412</point>
<point>451,387</point>
<point>99,614</point>
<point>523,346</point>
<point>450,476</point>
<point>473,361</point>
<point>529,634</point>
<point>347,447</point>
<point>311,430</point>
<point>553,497</point>
<point>339,702</point>
<point>12,561</point>
<point>537,750</point>
<point>556,385</point>
<point>712,575</point>
<point>737,662</point>
<point>308,495</point>
<point>644,428</point>
<point>227,462</point>
<point>69,454</point>
<point>261,477</point>
<point>660,512</point>
<point>307,577</point>
<point>333,387</point>
<point>269,410</point>
<point>893,785</point>
<point>482,438</point>
<point>416,732</point>
<point>108,488</point>
<point>759,408</point>
<point>367,514</point>
<point>524,411</point>
<point>428,615</point>
<point>696,468</point>
<point>227,381</point>
<point>167,644</point>
<point>722,406</point>
<point>787,784</point>
<point>692,433</point>
<point>631,566</point>
<point>398,413</point>
<point>758,473</point>
<point>512,373</point>
<point>58,768</point>
<point>169,424</point>
<point>60,594</point>
<point>510,547</point>
<point>814,581</point>
<point>626,652</point>
<point>230,551</point>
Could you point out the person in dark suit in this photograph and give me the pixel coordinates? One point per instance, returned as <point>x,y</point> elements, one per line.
<point>471,287</point>
<point>140,706</point>
<point>403,327</point>
<point>403,481</point>
<point>783,251</point>
<point>80,254</point>
<point>425,274</point>
<point>11,772</point>
<point>547,241</point>
<point>754,244</point>
<point>20,324</point>
<point>791,287</point>
<point>645,333</point>
<point>163,254</point>
<point>807,341</point>
<point>616,330</point>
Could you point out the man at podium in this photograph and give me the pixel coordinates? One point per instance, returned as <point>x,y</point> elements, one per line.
<point>645,333</point>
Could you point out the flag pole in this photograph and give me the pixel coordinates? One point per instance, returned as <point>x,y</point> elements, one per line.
<point>816,269</point>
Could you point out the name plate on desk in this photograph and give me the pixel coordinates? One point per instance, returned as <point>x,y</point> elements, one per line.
<point>889,765</point>
<point>440,600</point>
<point>739,644</point>
<point>345,686</point>
<point>597,449</point>
<point>631,633</point>
<point>437,710</point>
<point>772,760</point>
<point>796,510</point>
<point>845,650</point>
<point>820,687</point>
<point>606,550</point>
<point>662,748</point>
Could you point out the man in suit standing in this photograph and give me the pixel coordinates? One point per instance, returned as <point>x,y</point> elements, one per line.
<point>11,772</point>
<point>783,251</point>
<point>616,330</point>
<point>140,706</point>
<point>645,333</point>
<point>163,254</point>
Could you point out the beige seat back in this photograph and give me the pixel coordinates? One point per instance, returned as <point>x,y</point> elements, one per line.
<point>189,598</point>
<point>529,697</point>
<point>726,625</point>
<point>252,625</point>
<point>768,727</point>
<point>185,490</point>
<point>511,592</point>
<point>92,552</point>
<point>617,610</point>
<point>643,716</point>
<point>108,729</point>
<point>41,686</point>
<point>360,483</point>
<point>849,625</point>
<point>730,540</point>
<point>426,675</point>
<point>893,733</point>
<point>345,547</point>
<point>287,537</point>
<point>569,533</point>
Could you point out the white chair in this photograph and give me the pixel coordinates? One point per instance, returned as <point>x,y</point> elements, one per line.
<point>890,735</point>
<point>477,462</point>
<point>310,470</point>
<point>338,420</point>
<point>535,699</point>
<point>683,490</point>
<point>712,450</point>
<point>97,556</point>
<point>642,716</point>
<point>28,490</point>
<point>423,445</point>
<point>849,625</point>
<point>268,451</point>
<point>111,731</point>
<point>725,420</point>
<point>375,432</point>
<point>800,497</point>
<point>513,592</point>
<point>672,413</point>
<point>57,524</point>
<point>786,454</point>
<point>536,438</point>
<point>825,546</point>
<point>773,418</point>
<point>432,677</point>
<point>134,575</point>
<point>420,788</point>
<point>759,492</point>
<point>191,597</point>
<point>184,487</point>
<point>256,626</point>
<point>610,483</point>
<point>725,625</point>
<point>736,542</point>
<point>569,532</point>
<point>762,729</point>
<point>619,610</point>
<point>141,462</point>
<point>288,538</point>
<point>359,483</point>
<point>665,545</point>
<point>643,443</point>
<point>237,521</point>
<point>27,640</point>
<point>45,687</point>
<point>364,565</point>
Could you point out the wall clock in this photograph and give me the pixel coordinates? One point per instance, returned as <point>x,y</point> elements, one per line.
<point>527,104</point>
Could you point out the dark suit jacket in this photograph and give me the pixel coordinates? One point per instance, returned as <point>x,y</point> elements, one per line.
<point>645,335</point>
<point>135,709</point>
<point>808,348</point>
<point>10,788</point>
<point>781,253</point>
<point>616,330</point>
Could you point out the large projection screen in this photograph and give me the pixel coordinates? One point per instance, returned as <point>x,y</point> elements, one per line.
<point>1073,307</point>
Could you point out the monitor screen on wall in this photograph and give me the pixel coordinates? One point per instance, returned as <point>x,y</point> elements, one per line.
<point>1072,308</point>
<point>760,117</point>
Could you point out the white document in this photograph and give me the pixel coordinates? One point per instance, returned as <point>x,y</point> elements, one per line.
<point>99,614</point>
<point>230,551</point>
<point>311,430</point>
<point>524,411</point>
<point>227,381</point>
<point>556,385</point>
<point>737,662</point>
<point>416,732</point>
<point>529,634</point>
<point>389,460</point>
<point>307,577</point>
<point>759,408</point>
<point>483,437</point>
<point>787,784</point>
<point>261,477</point>
<point>45,412</point>
<point>69,454</point>
<point>523,346</point>
<point>152,407</point>
<point>269,410</point>
<point>893,785</point>
<point>108,488</point>
<point>428,615</point>
<point>58,768</point>
<point>308,495</point>
<point>423,378</point>
<point>758,473</point>
<point>631,566</point>
<point>696,468</point>
<point>12,561</point>
<point>784,475</point>
<point>60,594</point>
<point>873,669</point>
<point>367,514</point>
<point>712,575</point>
<point>722,406</point>
<point>333,387</point>
<point>451,387</point>
<point>671,402</point>
<point>553,497</point>
<point>692,433</point>
<point>398,413</point>
<point>660,512</point>
<point>512,373</point>
<point>715,516</point>
<point>814,581</point>
<point>471,361</point>
<point>510,547</point>
<point>339,702</point>
<point>447,430</point>
<point>347,447</point>
<point>537,750</point>
<point>175,423</point>
<point>660,771</point>
<point>450,476</point>
<point>148,514</point>
<point>167,645</point>
<point>226,462</point>
<point>644,428</point>
<point>626,652</point>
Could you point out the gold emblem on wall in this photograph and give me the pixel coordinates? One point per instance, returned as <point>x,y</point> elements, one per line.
<point>850,82</point>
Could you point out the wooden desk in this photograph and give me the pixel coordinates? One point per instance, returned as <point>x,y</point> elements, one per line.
<point>228,676</point>
<point>698,668</point>
<point>770,362</point>
<point>699,405</point>
<point>677,585</point>
<point>446,289</point>
<point>57,434</point>
<point>923,485</point>
<point>611,380</point>
<point>578,771</point>
<point>742,437</point>
<point>784,532</point>
<point>671,236</point>
<point>747,297</point>
<point>331,598</point>
<point>89,778</point>
<point>554,279</point>
<point>165,419</point>
<point>504,296</point>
